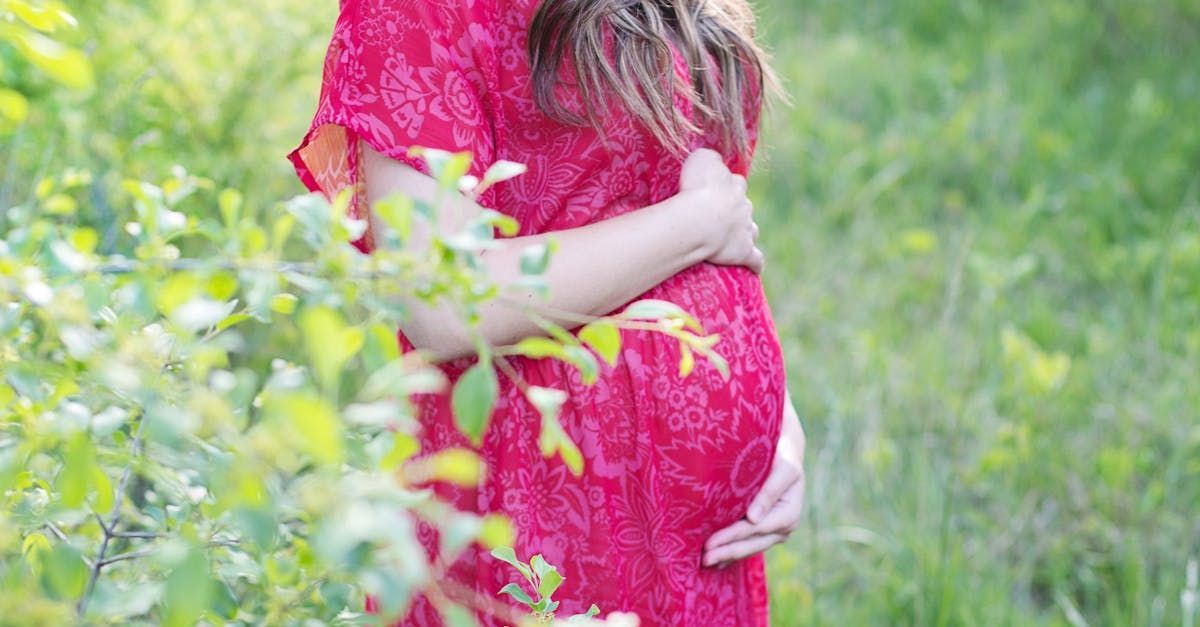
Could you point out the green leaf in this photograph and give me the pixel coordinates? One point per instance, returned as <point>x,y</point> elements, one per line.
<point>35,548</point>
<point>515,591</point>
<point>104,489</point>
<point>404,446</point>
<point>585,361</point>
<point>501,171</point>
<point>63,63</point>
<point>179,288</point>
<point>506,225</point>
<point>64,571</point>
<point>540,348</point>
<point>592,611</point>
<point>396,211</point>
<point>13,106</point>
<point>79,460</point>
<point>473,399</point>
<point>188,590</point>
<point>540,565</point>
<point>687,362</point>
<point>230,203</point>
<point>458,466</point>
<point>651,309</point>
<point>496,531</point>
<point>508,556</point>
<point>60,205</point>
<point>548,401</point>
<point>232,320</point>
<point>553,439</point>
<point>571,455</point>
<point>551,580</point>
<point>604,338</point>
<point>536,258</point>
<point>284,303</point>
<point>46,19</point>
<point>446,167</point>
<point>311,421</point>
<point>330,343</point>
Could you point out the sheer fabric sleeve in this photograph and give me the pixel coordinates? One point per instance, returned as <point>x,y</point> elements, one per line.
<point>398,74</point>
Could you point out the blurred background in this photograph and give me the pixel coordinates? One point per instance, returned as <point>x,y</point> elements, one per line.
<point>982,220</point>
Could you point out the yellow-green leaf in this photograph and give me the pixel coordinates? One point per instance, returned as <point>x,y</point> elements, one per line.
<point>687,361</point>
<point>313,421</point>
<point>230,203</point>
<point>84,239</point>
<point>329,342</point>
<point>60,205</point>
<point>604,338</point>
<point>46,19</point>
<point>458,466</point>
<point>284,303</point>
<point>404,446</point>
<point>63,63</point>
<point>75,479</point>
<point>496,531</point>
<point>104,489</point>
<point>13,106</point>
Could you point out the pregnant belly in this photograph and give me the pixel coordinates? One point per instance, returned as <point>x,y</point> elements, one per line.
<point>714,438</point>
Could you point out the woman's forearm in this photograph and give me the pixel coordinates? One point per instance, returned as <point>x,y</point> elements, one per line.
<point>596,268</point>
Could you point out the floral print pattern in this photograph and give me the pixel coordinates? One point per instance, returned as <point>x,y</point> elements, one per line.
<point>668,461</point>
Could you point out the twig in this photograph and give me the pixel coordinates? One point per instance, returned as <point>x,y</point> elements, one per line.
<point>137,534</point>
<point>114,516</point>
<point>125,556</point>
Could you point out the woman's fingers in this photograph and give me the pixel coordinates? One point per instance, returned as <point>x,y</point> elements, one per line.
<point>783,475</point>
<point>742,548</point>
<point>739,530</point>
<point>786,515</point>
<point>783,519</point>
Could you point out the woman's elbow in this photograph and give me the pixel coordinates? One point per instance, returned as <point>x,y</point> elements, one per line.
<point>437,339</point>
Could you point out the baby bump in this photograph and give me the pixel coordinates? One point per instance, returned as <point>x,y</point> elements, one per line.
<point>713,438</point>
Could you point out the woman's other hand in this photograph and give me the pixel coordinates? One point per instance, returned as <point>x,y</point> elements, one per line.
<point>727,216</point>
<point>776,511</point>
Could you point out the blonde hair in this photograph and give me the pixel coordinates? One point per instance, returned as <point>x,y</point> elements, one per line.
<point>640,33</point>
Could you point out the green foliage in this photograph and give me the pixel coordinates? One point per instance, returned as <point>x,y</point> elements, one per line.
<point>31,30</point>
<point>980,223</point>
<point>227,436</point>
<point>544,579</point>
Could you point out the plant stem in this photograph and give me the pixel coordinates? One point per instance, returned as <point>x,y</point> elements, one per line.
<point>108,528</point>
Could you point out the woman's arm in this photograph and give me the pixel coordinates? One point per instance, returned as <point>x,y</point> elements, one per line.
<point>597,267</point>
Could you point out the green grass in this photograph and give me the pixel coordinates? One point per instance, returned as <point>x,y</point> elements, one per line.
<point>949,174</point>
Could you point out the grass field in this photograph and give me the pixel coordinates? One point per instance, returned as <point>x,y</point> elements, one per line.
<point>983,231</point>
<point>982,221</point>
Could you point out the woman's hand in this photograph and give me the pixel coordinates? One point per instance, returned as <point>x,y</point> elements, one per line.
<point>728,220</point>
<point>776,511</point>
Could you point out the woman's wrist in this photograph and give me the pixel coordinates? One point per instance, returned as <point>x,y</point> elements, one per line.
<point>687,219</point>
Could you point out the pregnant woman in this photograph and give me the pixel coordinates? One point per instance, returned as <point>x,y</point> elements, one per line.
<point>637,120</point>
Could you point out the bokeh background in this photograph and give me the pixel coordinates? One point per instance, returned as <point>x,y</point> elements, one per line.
<point>982,220</point>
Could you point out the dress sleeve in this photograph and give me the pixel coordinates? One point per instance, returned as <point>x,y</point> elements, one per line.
<point>398,74</point>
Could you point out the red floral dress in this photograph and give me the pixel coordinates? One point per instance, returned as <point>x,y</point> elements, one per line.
<point>668,461</point>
